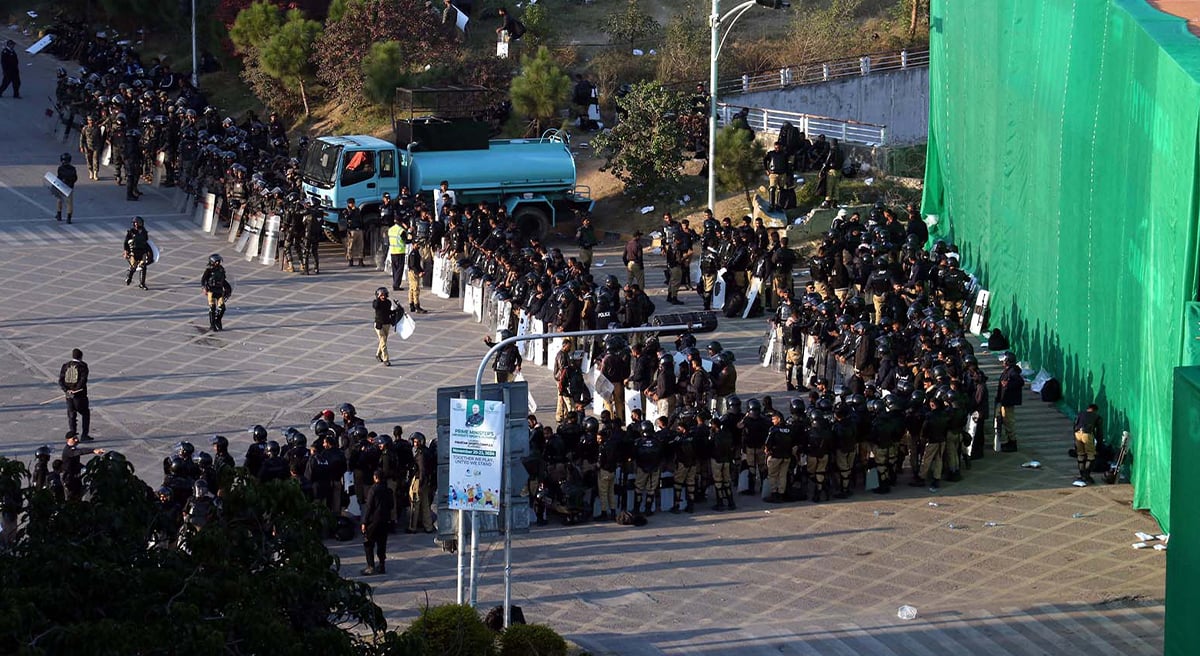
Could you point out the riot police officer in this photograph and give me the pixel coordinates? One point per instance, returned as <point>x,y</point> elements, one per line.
<point>137,251</point>
<point>216,289</point>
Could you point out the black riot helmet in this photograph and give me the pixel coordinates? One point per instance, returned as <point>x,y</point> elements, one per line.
<point>319,426</point>
<point>381,291</point>
<point>42,453</point>
<point>185,450</point>
<point>418,438</point>
<point>646,428</point>
<point>733,403</point>
<point>346,409</point>
<point>215,259</point>
<point>258,433</point>
<point>178,466</point>
<point>65,158</point>
<point>138,222</point>
<point>753,405</point>
<point>219,441</point>
<point>685,341</point>
<point>204,459</point>
<point>356,433</point>
<point>273,449</point>
<point>591,425</point>
<point>797,406</point>
<point>714,347</point>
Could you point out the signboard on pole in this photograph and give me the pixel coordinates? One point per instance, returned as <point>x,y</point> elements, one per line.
<point>476,454</point>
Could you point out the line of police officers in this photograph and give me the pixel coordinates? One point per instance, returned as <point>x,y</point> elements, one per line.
<point>407,468</point>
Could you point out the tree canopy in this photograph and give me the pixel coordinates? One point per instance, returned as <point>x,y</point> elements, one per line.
<point>89,577</point>
<point>541,88</point>
<point>645,149</point>
<point>286,55</point>
<point>739,160</point>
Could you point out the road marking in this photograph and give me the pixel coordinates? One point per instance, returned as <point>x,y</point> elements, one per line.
<point>27,199</point>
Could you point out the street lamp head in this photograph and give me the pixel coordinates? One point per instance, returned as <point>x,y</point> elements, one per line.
<point>774,4</point>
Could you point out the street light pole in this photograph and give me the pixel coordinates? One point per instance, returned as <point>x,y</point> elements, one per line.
<point>715,20</point>
<point>195,61</point>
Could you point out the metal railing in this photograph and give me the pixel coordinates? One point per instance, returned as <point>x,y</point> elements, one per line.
<point>764,120</point>
<point>799,74</point>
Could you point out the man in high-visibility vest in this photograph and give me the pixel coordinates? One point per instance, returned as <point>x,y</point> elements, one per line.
<point>397,249</point>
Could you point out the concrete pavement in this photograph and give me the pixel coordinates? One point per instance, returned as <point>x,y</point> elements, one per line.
<point>791,579</point>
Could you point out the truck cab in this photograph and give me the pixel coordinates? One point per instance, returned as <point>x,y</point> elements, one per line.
<point>359,167</point>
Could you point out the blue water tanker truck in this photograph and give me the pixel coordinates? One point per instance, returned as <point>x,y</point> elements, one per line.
<point>533,179</point>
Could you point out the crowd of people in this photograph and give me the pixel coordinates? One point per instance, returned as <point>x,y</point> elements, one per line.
<point>874,348</point>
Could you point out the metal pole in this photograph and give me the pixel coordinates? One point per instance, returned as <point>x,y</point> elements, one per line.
<point>474,556</point>
<point>714,23</point>
<point>195,61</point>
<point>507,498</point>
<point>507,473</point>
<point>462,537</point>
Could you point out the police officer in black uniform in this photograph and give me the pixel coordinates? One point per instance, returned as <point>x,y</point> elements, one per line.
<point>137,251</point>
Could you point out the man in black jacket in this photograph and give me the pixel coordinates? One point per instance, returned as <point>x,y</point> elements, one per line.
<point>69,176</point>
<point>137,251</point>
<point>376,524</point>
<point>423,485</point>
<point>72,476</point>
<point>1008,397</point>
<point>72,379</point>
<point>385,318</point>
<point>353,219</point>
<point>11,69</point>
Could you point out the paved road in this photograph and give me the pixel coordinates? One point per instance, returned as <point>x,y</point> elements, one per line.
<point>802,579</point>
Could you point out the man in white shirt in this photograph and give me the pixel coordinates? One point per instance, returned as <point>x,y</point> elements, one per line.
<point>443,197</point>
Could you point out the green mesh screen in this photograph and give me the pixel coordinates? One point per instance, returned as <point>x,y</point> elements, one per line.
<point>1063,161</point>
<point>1183,568</point>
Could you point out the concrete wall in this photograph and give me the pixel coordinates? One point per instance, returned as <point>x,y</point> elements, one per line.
<point>896,99</point>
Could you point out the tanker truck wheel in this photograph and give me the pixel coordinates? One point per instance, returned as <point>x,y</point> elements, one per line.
<point>532,221</point>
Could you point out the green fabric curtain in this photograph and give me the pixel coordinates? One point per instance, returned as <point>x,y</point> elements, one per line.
<point>1063,162</point>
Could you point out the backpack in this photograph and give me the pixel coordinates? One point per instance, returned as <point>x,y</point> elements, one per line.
<point>518,30</point>
<point>71,375</point>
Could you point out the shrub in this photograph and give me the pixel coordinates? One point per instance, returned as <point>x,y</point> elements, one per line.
<point>453,630</point>
<point>531,640</point>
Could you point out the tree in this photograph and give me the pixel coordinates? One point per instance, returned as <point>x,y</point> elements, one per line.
<point>630,25</point>
<point>286,55</point>
<point>254,27</point>
<point>383,70</point>
<point>94,576</point>
<point>345,44</point>
<point>824,33</point>
<point>337,9</point>
<point>540,89</point>
<point>739,160</point>
<point>645,149</point>
<point>684,55</point>
<point>539,25</point>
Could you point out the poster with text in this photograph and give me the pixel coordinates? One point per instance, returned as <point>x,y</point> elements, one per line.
<point>476,448</point>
